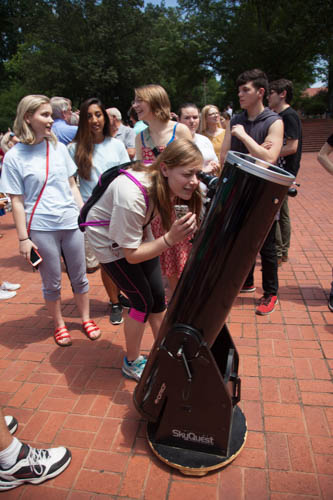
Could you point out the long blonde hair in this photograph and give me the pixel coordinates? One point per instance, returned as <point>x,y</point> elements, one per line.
<point>28,105</point>
<point>179,153</point>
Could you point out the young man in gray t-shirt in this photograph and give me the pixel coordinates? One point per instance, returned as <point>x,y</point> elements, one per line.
<point>257,131</point>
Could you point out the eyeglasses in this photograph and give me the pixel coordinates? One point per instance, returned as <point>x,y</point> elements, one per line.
<point>213,114</point>
<point>137,100</point>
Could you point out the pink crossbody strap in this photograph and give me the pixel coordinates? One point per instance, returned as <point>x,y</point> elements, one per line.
<point>41,191</point>
<point>140,186</point>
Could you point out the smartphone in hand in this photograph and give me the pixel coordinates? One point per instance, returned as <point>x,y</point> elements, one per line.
<point>35,258</point>
<point>180,210</point>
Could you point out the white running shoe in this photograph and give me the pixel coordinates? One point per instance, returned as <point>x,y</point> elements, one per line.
<point>4,295</point>
<point>134,368</point>
<point>9,287</point>
<point>34,466</point>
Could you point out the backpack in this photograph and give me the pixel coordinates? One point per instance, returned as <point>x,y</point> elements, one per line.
<point>103,183</point>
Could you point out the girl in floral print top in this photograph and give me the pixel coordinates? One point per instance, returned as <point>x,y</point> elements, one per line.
<point>153,106</point>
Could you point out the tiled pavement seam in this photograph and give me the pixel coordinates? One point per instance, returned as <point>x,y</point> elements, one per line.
<point>77,397</point>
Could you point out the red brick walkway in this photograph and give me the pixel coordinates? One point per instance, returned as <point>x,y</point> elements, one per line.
<point>77,396</point>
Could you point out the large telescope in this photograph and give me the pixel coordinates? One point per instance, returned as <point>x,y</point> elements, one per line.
<point>190,387</point>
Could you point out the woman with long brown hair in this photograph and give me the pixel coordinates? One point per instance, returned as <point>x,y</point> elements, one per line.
<point>126,248</point>
<point>94,150</point>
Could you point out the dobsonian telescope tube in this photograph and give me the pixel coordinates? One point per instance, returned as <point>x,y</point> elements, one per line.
<point>248,196</point>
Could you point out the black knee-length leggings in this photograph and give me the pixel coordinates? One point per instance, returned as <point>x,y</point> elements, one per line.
<point>142,284</point>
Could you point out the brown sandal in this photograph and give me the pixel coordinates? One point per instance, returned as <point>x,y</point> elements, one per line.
<point>61,334</point>
<point>90,328</point>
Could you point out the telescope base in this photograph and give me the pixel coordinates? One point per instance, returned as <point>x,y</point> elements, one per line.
<point>198,463</point>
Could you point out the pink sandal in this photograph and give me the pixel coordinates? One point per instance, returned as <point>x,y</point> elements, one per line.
<point>61,334</point>
<point>91,329</point>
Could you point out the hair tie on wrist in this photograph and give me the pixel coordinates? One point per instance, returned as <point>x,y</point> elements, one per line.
<point>25,239</point>
<point>166,241</point>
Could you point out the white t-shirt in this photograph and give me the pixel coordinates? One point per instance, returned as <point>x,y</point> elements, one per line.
<point>123,204</point>
<point>107,154</point>
<point>24,173</point>
<point>206,148</point>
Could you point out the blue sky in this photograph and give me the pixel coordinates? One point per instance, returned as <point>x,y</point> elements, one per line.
<point>168,3</point>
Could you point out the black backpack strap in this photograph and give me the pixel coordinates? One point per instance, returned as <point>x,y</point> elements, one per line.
<point>103,183</point>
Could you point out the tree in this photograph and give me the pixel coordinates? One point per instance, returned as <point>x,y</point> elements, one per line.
<point>81,48</point>
<point>282,38</point>
<point>174,57</point>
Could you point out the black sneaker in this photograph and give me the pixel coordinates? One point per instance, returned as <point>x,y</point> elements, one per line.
<point>34,466</point>
<point>116,315</point>
<point>11,423</point>
<point>124,302</point>
<point>247,289</point>
<point>330,303</point>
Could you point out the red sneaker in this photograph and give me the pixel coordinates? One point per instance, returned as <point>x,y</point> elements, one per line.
<point>267,304</point>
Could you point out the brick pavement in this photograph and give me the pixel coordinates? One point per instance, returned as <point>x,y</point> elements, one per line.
<point>77,397</point>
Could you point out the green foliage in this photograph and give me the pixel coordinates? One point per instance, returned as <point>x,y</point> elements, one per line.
<point>172,56</point>
<point>315,105</point>
<point>282,38</point>
<point>81,48</point>
<point>9,98</point>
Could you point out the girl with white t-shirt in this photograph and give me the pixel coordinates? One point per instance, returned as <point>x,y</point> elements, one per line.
<point>40,168</point>
<point>126,248</point>
<point>94,150</point>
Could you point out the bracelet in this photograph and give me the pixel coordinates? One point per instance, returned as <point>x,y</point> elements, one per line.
<point>166,242</point>
<point>25,239</point>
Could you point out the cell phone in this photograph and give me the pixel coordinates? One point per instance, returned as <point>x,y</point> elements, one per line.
<point>35,258</point>
<point>180,210</point>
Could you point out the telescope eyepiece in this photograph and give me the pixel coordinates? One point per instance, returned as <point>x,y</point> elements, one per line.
<point>209,180</point>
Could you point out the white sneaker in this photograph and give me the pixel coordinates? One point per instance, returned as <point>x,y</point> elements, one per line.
<point>34,466</point>
<point>6,295</point>
<point>135,368</point>
<point>9,287</point>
